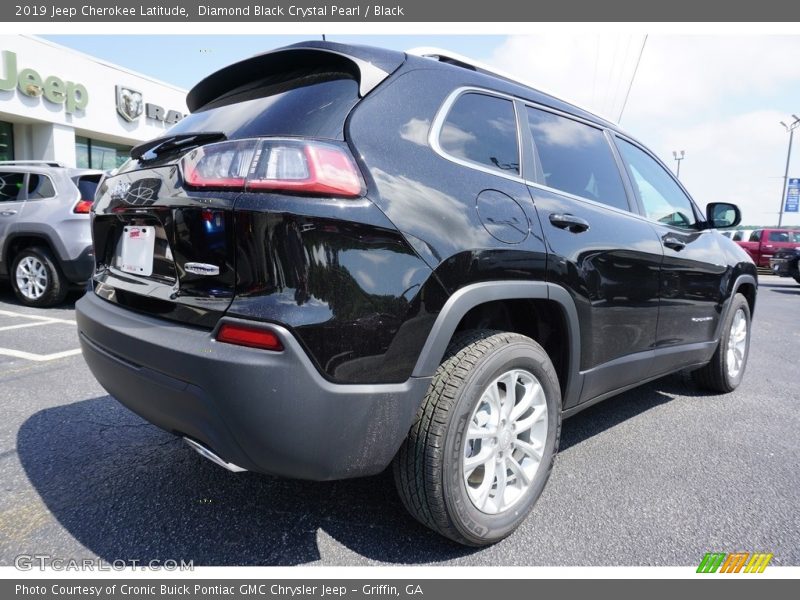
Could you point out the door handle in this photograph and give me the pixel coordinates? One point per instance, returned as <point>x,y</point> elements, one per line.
<point>8,213</point>
<point>670,241</point>
<point>569,222</point>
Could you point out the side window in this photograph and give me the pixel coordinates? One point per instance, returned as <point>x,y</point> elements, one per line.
<point>575,158</point>
<point>755,236</point>
<point>778,236</point>
<point>737,237</point>
<point>663,199</point>
<point>11,186</point>
<point>482,129</point>
<point>40,186</point>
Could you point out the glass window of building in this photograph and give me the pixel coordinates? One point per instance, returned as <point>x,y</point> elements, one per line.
<point>6,141</point>
<point>95,154</point>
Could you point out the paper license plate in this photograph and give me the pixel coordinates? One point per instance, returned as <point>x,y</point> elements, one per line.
<point>136,250</point>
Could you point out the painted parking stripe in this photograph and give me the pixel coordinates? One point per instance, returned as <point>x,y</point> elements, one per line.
<point>24,325</point>
<point>8,313</point>
<point>38,357</point>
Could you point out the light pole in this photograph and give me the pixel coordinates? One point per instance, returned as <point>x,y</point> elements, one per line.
<point>678,159</point>
<point>790,130</point>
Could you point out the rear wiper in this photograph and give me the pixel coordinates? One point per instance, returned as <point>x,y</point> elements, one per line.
<point>170,143</point>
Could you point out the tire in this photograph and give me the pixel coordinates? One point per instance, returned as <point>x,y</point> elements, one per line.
<point>797,278</point>
<point>431,471</point>
<point>37,279</point>
<point>721,373</point>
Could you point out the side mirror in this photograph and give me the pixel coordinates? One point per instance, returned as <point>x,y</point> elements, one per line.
<point>722,214</point>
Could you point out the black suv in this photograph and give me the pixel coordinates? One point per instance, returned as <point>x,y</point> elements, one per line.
<point>347,257</point>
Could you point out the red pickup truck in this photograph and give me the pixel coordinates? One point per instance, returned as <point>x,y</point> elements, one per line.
<point>763,243</point>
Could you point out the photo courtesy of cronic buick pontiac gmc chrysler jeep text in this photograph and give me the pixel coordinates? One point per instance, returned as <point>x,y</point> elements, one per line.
<point>347,257</point>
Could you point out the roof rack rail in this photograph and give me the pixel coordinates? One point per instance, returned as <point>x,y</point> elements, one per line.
<point>42,163</point>
<point>460,60</point>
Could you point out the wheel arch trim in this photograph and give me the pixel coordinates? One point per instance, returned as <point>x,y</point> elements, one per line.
<point>738,282</point>
<point>41,231</point>
<point>470,296</point>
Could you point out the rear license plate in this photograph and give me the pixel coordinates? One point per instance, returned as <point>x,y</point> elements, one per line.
<point>136,250</point>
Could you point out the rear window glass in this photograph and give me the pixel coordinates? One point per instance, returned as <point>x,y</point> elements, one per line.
<point>312,103</point>
<point>575,158</point>
<point>482,129</point>
<point>40,186</point>
<point>88,186</point>
<point>784,236</point>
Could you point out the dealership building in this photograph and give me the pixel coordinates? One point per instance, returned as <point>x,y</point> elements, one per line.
<point>61,105</point>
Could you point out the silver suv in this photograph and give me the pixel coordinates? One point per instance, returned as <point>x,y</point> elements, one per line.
<point>45,238</point>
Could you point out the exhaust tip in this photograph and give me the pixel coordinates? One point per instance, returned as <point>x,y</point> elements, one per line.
<point>213,457</point>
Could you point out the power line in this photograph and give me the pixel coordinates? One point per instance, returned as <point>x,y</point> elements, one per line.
<point>633,77</point>
<point>621,77</point>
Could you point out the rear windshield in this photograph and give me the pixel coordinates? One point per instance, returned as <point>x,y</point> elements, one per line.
<point>87,184</point>
<point>305,102</point>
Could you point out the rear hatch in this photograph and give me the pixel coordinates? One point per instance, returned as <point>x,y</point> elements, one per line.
<point>163,225</point>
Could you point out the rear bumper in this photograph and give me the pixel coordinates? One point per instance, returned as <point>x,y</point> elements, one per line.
<point>263,411</point>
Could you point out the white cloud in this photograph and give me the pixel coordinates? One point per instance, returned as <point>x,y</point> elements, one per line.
<point>719,98</point>
<point>737,159</point>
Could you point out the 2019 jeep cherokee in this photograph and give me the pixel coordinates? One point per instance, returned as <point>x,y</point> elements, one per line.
<point>45,239</point>
<point>348,257</point>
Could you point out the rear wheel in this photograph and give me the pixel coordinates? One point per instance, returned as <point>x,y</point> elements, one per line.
<point>482,448</point>
<point>725,370</point>
<point>36,278</point>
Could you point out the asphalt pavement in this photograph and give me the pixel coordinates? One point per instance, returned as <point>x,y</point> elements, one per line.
<point>657,476</point>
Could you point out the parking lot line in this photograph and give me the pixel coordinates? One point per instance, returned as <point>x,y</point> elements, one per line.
<point>24,325</point>
<point>38,357</point>
<point>8,313</point>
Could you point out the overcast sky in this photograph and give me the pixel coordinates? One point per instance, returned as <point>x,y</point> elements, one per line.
<point>719,98</point>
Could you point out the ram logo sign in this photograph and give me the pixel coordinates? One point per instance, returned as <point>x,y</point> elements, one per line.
<point>130,104</point>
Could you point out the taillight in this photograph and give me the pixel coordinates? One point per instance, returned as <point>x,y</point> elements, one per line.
<point>253,337</point>
<point>83,207</point>
<point>302,166</point>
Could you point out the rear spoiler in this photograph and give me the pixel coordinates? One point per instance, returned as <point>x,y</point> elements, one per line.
<point>373,66</point>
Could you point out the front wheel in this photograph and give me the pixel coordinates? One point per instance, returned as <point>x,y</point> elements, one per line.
<point>485,439</point>
<point>725,370</point>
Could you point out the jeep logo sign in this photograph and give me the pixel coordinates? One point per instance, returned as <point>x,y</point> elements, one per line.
<point>73,96</point>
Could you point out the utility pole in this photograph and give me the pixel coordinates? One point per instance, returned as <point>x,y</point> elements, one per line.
<point>790,130</point>
<point>678,159</point>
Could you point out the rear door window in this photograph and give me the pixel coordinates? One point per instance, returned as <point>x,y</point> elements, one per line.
<point>575,158</point>
<point>40,186</point>
<point>755,236</point>
<point>305,102</point>
<point>482,129</point>
<point>779,236</point>
<point>11,186</point>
